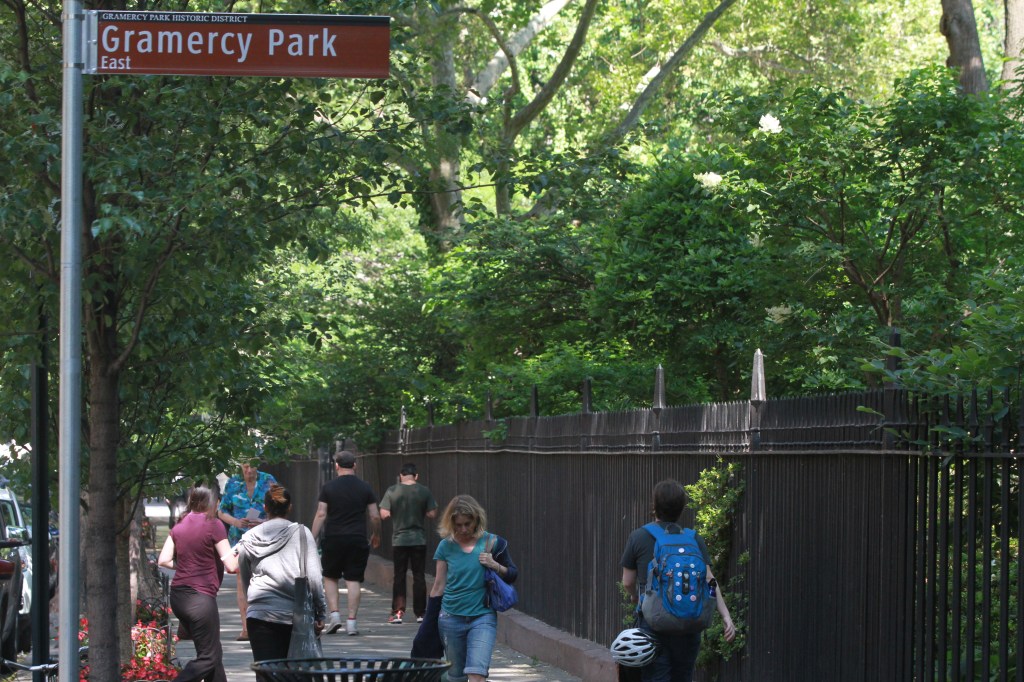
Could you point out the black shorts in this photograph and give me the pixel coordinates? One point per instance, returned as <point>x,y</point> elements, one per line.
<point>345,557</point>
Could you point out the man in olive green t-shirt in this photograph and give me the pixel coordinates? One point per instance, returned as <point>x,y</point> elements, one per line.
<point>408,504</point>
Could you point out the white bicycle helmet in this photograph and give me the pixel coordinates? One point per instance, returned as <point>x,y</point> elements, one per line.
<point>634,648</point>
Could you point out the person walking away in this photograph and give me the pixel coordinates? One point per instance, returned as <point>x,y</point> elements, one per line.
<point>269,561</point>
<point>344,505</point>
<point>241,508</point>
<point>408,504</point>
<point>197,549</point>
<point>677,653</point>
<point>468,625</point>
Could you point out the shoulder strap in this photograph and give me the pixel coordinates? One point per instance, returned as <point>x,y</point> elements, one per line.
<point>491,541</point>
<point>299,528</point>
<point>656,531</point>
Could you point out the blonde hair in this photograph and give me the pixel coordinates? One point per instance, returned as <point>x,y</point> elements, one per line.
<point>462,505</point>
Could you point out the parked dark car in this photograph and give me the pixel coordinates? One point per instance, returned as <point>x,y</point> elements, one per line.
<point>11,580</point>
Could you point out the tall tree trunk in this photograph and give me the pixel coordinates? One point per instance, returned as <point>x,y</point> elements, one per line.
<point>514,124</point>
<point>445,193</point>
<point>145,583</point>
<point>961,31</point>
<point>1014,41</point>
<point>102,522</point>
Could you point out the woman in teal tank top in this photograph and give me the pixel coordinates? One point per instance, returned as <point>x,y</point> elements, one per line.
<point>467,624</point>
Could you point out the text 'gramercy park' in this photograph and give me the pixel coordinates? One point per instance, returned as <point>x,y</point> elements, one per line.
<point>114,39</point>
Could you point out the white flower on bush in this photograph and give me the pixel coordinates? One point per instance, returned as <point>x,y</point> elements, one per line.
<point>770,124</point>
<point>708,180</point>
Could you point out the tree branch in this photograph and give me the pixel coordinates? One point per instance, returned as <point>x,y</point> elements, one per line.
<point>488,76</point>
<point>146,293</point>
<point>528,113</point>
<point>649,92</point>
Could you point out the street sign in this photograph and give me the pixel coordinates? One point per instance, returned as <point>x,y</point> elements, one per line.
<point>228,44</point>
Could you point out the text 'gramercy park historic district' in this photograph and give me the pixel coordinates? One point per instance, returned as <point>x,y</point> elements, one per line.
<point>114,38</point>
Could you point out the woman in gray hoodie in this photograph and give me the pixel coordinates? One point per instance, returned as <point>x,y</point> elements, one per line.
<point>268,564</point>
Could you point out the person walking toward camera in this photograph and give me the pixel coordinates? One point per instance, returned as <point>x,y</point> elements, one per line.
<point>197,549</point>
<point>342,511</point>
<point>241,508</point>
<point>408,504</point>
<point>467,623</point>
<point>666,649</point>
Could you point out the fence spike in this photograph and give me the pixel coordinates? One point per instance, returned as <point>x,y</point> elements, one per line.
<point>757,389</point>
<point>659,390</point>
<point>585,395</point>
<point>489,408</point>
<point>534,402</point>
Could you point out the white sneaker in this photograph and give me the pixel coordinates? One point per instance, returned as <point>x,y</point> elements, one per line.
<point>333,623</point>
<point>351,627</point>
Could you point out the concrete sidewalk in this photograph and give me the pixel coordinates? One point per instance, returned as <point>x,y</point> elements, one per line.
<point>376,638</point>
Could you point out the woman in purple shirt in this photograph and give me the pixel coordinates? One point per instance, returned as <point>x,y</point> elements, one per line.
<point>197,547</point>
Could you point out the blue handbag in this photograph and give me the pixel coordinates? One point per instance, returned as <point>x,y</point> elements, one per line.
<point>500,595</point>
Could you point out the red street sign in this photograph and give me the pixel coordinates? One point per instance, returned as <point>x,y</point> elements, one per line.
<point>227,44</point>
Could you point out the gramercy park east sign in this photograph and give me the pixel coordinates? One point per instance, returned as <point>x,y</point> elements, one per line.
<point>205,44</point>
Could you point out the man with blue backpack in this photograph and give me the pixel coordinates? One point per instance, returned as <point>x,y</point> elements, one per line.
<point>676,593</point>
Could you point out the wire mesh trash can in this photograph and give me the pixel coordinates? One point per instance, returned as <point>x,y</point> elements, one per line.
<point>355,669</point>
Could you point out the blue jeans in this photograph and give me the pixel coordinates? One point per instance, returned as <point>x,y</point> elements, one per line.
<point>468,643</point>
<point>676,658</point>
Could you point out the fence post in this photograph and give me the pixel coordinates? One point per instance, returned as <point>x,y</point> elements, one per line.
<point>488,420</point>
<point>586,413</point>
<point>757,399</point>
<point>534,412</point>
<point>657,405</point>
<point>402,431</point>
<point>430,426</point>
<point>1020,423</point>
<point>892,363</point>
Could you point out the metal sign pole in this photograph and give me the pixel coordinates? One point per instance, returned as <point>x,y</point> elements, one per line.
<point>70,425</point>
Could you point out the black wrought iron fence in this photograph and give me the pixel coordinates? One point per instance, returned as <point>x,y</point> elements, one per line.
<point>878,537</point>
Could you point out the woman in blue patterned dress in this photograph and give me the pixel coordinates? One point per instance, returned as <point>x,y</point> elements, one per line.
<point>242,493</point>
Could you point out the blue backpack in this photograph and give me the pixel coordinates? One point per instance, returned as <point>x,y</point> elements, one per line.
<point>678,597</point>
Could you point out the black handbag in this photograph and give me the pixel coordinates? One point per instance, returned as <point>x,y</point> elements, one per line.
<point>304,643</point>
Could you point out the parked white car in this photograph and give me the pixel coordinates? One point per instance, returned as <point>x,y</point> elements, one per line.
<point>17,530</point>
<point>11,580</point>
